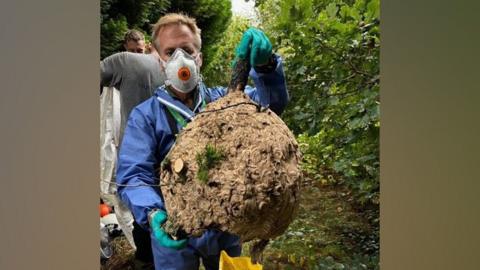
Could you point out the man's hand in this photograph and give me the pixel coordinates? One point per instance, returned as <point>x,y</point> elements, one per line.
<point>157,219</point>
<point>254,46</point>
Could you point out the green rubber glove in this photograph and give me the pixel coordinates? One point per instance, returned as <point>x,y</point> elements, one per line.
<point>254,46</point>
<point>157,219</point>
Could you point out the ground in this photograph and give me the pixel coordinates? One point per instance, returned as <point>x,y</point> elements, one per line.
<point>329,232</point>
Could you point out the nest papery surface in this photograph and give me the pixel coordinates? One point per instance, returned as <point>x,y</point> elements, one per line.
<point>253,191</point>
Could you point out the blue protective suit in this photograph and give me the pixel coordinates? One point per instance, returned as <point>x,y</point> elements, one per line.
<point>146,142</point>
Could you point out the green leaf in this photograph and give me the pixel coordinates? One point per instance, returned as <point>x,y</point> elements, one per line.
<point>301,70</point>
<point>373,9</point>
<point>332,10</point>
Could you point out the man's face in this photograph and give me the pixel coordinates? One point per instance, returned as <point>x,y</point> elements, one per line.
<point>176,36</point>
<point>135,46</point>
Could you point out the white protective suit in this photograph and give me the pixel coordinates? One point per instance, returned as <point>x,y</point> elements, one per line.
<point>110,119</point>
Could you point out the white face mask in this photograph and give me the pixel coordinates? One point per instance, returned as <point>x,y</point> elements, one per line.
<point>182,71</point>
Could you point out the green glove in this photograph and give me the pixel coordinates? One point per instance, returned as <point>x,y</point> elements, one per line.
<point>254,46</point>
<point>157,219</point>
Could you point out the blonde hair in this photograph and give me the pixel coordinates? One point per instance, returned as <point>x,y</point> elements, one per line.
<point>179,19</point>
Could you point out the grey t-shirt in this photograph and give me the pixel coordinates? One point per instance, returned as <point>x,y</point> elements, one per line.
<point>135,75</point>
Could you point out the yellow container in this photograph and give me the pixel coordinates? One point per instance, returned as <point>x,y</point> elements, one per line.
<point>237,263</point>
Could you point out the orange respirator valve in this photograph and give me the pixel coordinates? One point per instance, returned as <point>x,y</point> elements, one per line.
<point>184,73</point>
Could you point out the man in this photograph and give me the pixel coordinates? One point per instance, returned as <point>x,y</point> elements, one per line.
<point>134,41</point>
<point>129,79</point>
<point>151,128</point>
<point>136,76</point>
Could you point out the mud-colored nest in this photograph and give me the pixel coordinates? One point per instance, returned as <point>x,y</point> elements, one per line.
<point>251,189</point>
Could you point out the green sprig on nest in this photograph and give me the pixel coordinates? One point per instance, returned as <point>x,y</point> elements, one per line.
<point>207,160</point>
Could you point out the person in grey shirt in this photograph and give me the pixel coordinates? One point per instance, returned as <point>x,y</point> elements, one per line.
<point>136,76</point>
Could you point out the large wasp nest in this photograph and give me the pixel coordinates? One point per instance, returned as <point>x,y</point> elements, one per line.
<point>235,168</point>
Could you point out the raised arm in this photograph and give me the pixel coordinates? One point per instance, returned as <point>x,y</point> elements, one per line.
<point>270,88</point>
<point>111,69</point>
<point>267,72</point>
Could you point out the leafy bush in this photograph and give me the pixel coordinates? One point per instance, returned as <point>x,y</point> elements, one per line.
<point>112,32</point>
<point>117,16</point>
<point>331,52</point>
